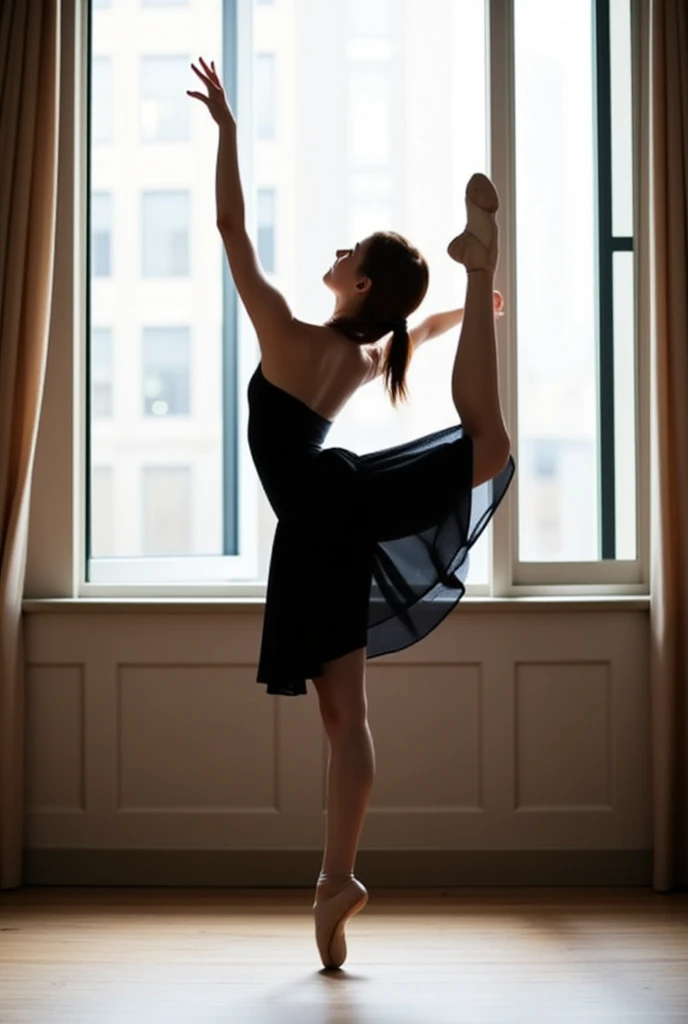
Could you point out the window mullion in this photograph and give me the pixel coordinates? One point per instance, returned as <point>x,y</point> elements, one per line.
<point>230,317</point>
<point>502,169</point>
<point>605,279</point>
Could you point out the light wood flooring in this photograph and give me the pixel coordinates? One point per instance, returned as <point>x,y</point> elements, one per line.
<point>465,956</point>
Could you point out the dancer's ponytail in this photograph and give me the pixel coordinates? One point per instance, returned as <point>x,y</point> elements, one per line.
<point>397,361</point>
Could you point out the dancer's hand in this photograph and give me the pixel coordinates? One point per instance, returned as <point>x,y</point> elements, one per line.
<point>498,304</point>
<point>216,100</point>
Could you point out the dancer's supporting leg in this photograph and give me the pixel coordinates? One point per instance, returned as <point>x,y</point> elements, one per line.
<point>351,768</point>
<point>351,771</point>
<point>475,381</point>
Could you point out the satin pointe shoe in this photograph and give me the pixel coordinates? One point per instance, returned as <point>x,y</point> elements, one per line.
<point>331,915</point>
<point>477,247</point>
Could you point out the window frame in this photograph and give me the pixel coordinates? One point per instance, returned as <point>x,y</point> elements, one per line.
<point>512,576</point>
<point>202,577</point>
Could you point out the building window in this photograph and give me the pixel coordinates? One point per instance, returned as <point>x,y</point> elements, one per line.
<point>266,228</point>
<point>165,111</point>
<point>166,510</point>
<point>265,95</point>
<point>101,372</point>
<point>102,100</point>
<point>166,371</point>
<point>166,234</point>
<point>101,234</point>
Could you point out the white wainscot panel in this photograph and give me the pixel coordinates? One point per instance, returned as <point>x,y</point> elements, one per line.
<point>185,741</point>
<point>428,728</point>
<point>55,769</point>
<point>563,732</point>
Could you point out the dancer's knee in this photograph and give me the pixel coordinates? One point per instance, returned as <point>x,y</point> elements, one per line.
<point>341,692</point>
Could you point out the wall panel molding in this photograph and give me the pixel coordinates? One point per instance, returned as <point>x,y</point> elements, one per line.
<point>504,743</point>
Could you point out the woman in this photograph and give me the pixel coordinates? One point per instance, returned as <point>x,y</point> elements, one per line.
<point>365,546</point>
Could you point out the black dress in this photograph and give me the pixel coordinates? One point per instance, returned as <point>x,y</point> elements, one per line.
<point>369,550</point>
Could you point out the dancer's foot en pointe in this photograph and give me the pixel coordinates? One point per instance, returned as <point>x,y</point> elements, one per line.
<point>477,247</point>
<point>337,899</point>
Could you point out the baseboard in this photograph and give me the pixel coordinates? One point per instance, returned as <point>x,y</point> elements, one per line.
<point>298,868</point>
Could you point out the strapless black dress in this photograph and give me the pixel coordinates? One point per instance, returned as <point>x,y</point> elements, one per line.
<point>369,550</point>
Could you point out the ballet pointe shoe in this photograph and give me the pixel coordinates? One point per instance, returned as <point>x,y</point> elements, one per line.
<point>331,915</point>
<point>477,247</point>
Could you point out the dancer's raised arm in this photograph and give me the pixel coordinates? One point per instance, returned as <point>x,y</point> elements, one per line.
<point>439,323</point>
<point>432,326</point>
<point>265,305</point>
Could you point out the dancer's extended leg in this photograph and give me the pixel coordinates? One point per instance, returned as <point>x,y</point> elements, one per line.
<point>475,381</point>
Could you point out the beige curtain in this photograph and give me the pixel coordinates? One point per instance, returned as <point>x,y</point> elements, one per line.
<point>668,52</point>
<point>29,106</point>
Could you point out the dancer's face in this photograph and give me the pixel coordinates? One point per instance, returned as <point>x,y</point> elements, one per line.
<point>344,277</point>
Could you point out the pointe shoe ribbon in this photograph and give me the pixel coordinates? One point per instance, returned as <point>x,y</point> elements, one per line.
<point>331,915</point>
<point>477,246</point>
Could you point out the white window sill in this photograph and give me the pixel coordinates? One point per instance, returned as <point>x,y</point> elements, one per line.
<point>185,605</point>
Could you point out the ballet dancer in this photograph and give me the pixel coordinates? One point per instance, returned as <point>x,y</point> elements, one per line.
<point>370,551</point>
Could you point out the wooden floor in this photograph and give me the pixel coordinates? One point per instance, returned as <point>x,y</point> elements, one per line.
<point>474,955</point>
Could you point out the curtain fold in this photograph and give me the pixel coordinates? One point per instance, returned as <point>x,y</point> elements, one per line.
<point>29,112</point>
<point>667,55</point>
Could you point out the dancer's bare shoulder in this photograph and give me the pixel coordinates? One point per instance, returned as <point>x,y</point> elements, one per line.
<point>319,365</point>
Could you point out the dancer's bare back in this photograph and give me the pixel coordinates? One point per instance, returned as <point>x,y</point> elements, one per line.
<point>320,365</point>
<point>313,362</point>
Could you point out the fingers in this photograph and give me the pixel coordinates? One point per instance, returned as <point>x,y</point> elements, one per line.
<point>210,71</point>
<point>202,77</point>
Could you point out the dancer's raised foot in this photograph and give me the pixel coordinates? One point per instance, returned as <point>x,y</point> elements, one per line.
<point>477,247</point>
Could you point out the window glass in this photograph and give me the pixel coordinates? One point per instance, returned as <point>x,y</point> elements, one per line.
<point>622,118</point>
<point>557,266</point>
<point>265,95</point>
<point>373,17</point>
<point>166,357</point>
<point>102,112</point>
<point>166,234</point>
<point>165,112</point>
<point>101,372</point>
<point>266,228</point>
<point>369,118</point>
<point>101,234</point>
<point>167,510</point>
<point>103,512</point>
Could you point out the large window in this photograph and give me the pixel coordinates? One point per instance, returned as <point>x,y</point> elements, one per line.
<point>576,386</point>
<point>354,116</point>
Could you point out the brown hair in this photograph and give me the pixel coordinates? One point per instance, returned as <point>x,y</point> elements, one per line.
<point>399,277</point>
